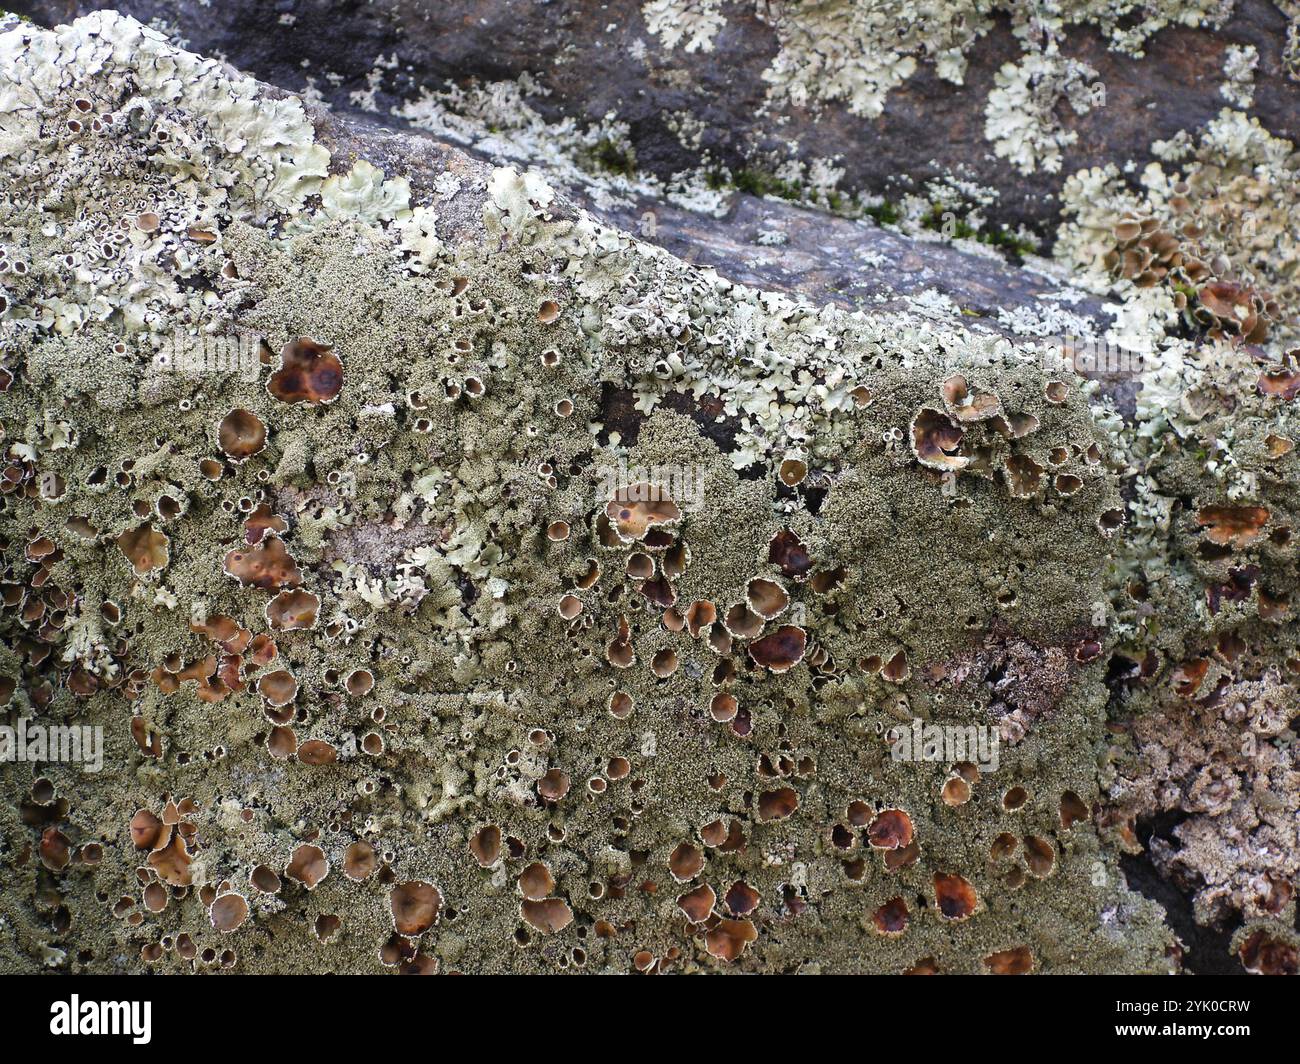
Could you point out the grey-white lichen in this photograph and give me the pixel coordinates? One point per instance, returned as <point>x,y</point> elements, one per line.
<point>1021,111</point>
<point>855,53</point>
<point>1239,63</point>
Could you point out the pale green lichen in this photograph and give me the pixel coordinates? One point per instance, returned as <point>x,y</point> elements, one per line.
<point>1021,111</point>
<point>692,24</point>
<point>261,152</point>
<point>1239,63</point>
<point>856,53</point>
<point>363,193</point>
<point>1291,49</point>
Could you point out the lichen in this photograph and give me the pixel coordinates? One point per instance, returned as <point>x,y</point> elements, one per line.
<point>1213,232</point>
<point>500,594</point>
<point>1239,63</point>
<point>690,23</point>
<point>842,51</point>
<point>1204,585</point>
<point>1021,110</point>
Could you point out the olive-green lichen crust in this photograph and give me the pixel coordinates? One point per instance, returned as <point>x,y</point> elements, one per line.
<point>399,669</point>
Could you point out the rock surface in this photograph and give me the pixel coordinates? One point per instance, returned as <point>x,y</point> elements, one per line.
<point>769,88</point>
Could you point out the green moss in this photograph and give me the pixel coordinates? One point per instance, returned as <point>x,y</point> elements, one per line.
<point>884,213</point>
<point>614,158</point>
<point>961,229</point>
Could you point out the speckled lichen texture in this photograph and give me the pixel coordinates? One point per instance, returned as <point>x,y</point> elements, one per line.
<point>536,602</point>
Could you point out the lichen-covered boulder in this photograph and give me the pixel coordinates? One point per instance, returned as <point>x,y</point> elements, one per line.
<point>459,583</point>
